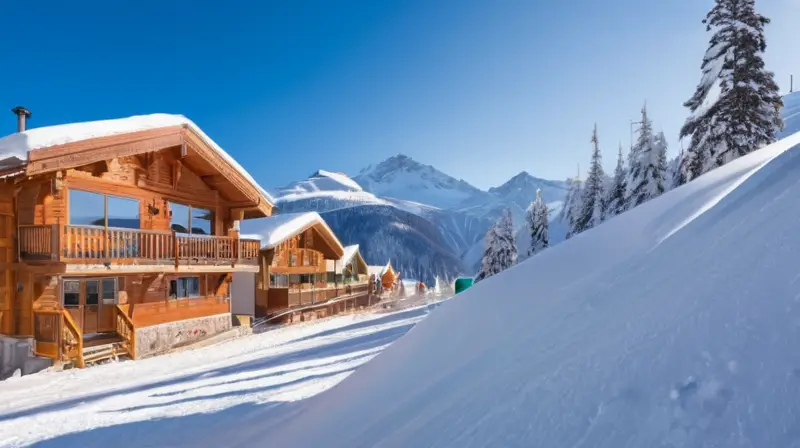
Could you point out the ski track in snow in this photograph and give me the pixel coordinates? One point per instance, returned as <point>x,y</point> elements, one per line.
<point>183,398</point>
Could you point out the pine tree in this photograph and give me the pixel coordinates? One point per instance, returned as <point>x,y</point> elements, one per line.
<point>615,203</point>
<point>746,113</point>
<point>572,204</point>
<point>591,213</point>
<point>647,165</point>
<point>489,259</point>
<point>501,248</point>
<point>538,222</point>
<point>508,244</point>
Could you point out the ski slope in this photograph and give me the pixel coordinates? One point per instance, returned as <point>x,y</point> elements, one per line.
<point>188,398</point>
<point>675,325</point>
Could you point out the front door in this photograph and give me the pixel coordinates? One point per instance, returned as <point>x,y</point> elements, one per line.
<point>91,303</point>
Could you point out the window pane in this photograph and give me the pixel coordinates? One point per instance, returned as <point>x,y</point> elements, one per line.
<point>192,287</point>
<point>92,293</point>
<point>72,293</point>
<point>109,290</point>
<point>179,221</point>
<point>202,221</point>
<point>123,212</point>
<point>181,287</point>
<point>173,289</point>
<point>86,208</point>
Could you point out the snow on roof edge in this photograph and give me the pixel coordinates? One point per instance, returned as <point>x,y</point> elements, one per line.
<point>276,229</point>
<point>21,143</point>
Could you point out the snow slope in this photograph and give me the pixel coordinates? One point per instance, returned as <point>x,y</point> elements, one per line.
<point>187,398</point>
<point>791,114</point>
<point>675,324</point>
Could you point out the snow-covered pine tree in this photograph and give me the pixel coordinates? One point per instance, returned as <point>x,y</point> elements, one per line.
<point>489,265</point>
<point>572,204</point>
<point>507,255</point>
<point>501,248</point>
<point>647,165</point>
<point>615,204</point>
<point>538,222</point>
<point>591,213</point>
<point>745,113</point>
<point>662,165</point>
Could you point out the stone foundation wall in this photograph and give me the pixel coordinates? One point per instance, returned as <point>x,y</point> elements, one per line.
<point>160,338</point>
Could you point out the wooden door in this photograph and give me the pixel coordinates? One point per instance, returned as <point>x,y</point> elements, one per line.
<point>91,306</point>
<point>108,305</point>
<point>73,300</point>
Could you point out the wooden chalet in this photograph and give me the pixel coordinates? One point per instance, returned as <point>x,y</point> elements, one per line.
<point>351,268</point>
<point>294,281</point>
<point>387,275</point>
<point>120,236</point>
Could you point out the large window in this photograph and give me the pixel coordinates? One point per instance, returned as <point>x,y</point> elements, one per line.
<point>87,208</point>
<point>184,287</point>
<point>278,281</point>
<point>191,220</point>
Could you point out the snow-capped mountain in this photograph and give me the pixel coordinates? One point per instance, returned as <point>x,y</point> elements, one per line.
<point>427,222</point>
<point>404,178</point>
<point>519,190</point>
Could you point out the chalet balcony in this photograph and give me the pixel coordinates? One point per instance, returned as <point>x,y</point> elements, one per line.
<point>86,244</point>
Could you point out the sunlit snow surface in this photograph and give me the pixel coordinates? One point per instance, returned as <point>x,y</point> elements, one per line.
<point>673,325</point>
<point>189,398</point>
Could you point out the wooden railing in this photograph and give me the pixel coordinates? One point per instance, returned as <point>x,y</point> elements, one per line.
<point>154,313</point>
<point>126,330</point>
<point>38,241</point>
<point>58,337</point>
<point>72,340</point>
<point>95,244</point>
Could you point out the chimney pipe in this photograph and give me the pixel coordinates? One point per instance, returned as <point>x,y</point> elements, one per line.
<point>22,114</point>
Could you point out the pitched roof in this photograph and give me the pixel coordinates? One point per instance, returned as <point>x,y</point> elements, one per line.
<point>349,253</point>
<point>18,145</point>
<point>274,230</point>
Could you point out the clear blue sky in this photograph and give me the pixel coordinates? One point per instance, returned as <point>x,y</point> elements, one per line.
<point>479,89</point>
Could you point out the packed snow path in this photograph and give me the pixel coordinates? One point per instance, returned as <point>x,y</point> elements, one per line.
<point>190,397</point>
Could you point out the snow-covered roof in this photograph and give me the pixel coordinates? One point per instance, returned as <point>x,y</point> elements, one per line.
<point>349,253</point>
<point>19,144</point>
<point>276,229</point>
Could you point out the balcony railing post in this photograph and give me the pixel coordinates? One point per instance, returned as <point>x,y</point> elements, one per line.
<point>175,248</point>
<point>55,242</point>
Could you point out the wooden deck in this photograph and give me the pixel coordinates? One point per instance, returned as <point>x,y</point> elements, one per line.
<point>72,244</point>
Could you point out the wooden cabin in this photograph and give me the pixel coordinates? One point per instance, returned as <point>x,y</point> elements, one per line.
<point>121,235</point>
<point>294,282</point>
<point>351,268</point>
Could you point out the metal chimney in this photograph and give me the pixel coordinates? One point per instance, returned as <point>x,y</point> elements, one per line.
<point>22,114</point>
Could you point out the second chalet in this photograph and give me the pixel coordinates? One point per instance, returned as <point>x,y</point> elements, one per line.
<point>120,237</point>
<point>304,271</point>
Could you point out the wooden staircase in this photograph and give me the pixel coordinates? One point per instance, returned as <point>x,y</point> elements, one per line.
<point>58,337</point>
<point>104,347</point>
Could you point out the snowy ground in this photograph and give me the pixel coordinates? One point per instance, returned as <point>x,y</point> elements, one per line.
<point>187,398</point>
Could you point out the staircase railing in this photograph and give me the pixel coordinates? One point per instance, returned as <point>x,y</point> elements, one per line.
<point>127,331</point>
<point>71,341</point>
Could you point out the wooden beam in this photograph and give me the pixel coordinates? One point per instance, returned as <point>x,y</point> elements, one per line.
<point>72,160</point>
<point>135,192</point>
<point>102,142</point>
<point>176,174</point>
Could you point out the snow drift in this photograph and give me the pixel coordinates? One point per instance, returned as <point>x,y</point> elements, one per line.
<point>675,324</point>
